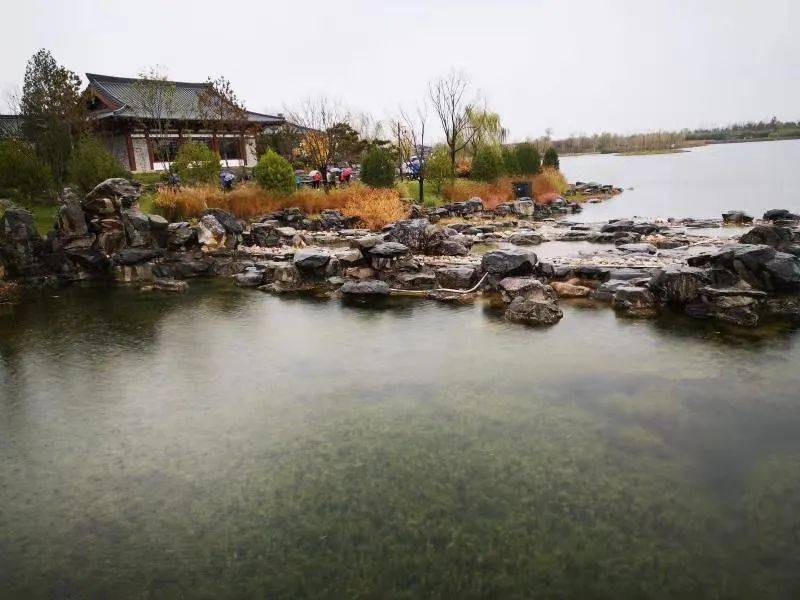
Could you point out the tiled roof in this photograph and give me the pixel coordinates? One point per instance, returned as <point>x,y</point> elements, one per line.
<point>125,96</point>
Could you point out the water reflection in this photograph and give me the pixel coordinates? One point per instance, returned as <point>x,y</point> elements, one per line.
<point>235,444</point>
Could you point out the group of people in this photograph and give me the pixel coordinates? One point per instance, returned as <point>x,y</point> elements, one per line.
<point>334,176</point>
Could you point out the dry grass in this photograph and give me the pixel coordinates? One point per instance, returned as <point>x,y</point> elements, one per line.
<point>376,207</point>
<point>547,186</point>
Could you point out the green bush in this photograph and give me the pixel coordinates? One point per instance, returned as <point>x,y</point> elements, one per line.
<point>510,162</point>
<point>274,173</point>
<point>487,164</point>
<point>197,163</point>
<point>551,159</point>
<point>527,159</point>
<point>92,163</point>
<point>439,169</point>
<point>377,168</point>
<point>23,176</point>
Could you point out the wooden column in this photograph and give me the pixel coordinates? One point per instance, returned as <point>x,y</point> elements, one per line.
<point>131,155</point>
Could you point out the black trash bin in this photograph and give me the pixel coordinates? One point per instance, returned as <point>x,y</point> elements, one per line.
<point>522,189</point>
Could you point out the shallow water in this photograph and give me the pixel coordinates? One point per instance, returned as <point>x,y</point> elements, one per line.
<point>227,443</point>
<point>701,183</point>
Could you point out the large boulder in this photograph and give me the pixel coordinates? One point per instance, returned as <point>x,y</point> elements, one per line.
<point>777,237</point>
<point>509,261</point>
<point>636,302</point>
<point>532,311</point>
<point>137,228</point>
<point>71,221</point>
<point>264,235</point>
<point>525,237</point>
<point>365,288</point>
<point>226,219</point>
<point>310,259</point>
<point>761,266</point>
<point>736,217</point>
<point>679,284</point>
<point>456,277</point>
<point>731,305</point>
<point>210,233</point>
<point>132,256</point>
<point>415,234</point>
<point>20,242</point>
<point>514,287</point>
<point>780,214</point>
<point>120,192</point>
<point>181,235</point>
<point>111,235</point>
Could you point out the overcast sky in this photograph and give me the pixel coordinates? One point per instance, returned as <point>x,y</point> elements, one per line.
<point>576,66</point>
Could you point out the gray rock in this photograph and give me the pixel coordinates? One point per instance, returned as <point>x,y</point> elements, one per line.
<point>309,259</point>
<point>460,277</point>
<point>349,257</point>
<point>416,281</point>
<point>605,291</point>
<point>533,312</point>
<point>510,261</point>
<point>389,250</point>
<point>211,233</point>
<point>72,219</point>
<point>250,277</point>
<point>170,285</point>
<point>737,217</point>
<point>451,247</point>
<point>226,219</point>
<point>780,214</point>
<point>523,208</point>
<point>679,284</point>
<point>415,234</point>
<point>137,228</point>
<point>368,287</point>
<point>770,235</point>
<point>121,192</point>
<point>180,235</point>
<point>638,248</point>
<point>514,287</point>
<point>525,238</point>
<point>132,256</point>
<point>635,302</point>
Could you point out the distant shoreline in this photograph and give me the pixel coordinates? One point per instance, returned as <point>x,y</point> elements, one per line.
<point>685,148</point>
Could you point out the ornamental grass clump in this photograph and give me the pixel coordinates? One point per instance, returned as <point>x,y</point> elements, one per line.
<point>375,207</point>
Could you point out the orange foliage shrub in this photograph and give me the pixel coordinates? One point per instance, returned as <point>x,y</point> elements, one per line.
<point>547,186</point>
<point>375,207</point>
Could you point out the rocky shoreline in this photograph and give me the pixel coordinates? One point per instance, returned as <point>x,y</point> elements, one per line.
<point>453,253</point>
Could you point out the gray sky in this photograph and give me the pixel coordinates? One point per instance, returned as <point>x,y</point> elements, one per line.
<point>577,66</point>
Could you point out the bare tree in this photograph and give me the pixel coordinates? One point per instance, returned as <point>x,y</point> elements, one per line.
<point>415,126</point>
<point>319,123</point>
<point>221,110</point>
<point>156,103</point>
<point>448,96</point>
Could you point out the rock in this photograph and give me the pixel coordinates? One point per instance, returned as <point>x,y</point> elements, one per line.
<point>72,220</point>
<point>264,235</point>
<point>784,272</point>
<point>100,207</point>
<point>679,284</point>
<point>776,237</point>
<point>731,305</point>
<point>514,287</point>
<point>456,277</point>
<point>250,277</point>
<point>636,302</point>
<point>369,287</point>
<point>158,223</point>
<point>782,307</point>
<point>623,238</point>
<point>605,291</point>
<point>132,256</point>
<point>625,274</point>
<point>780,214</point>
<point>210,233</point>
<point>389,250</point>
<point>226,219</point>
<point>180,235</point>
<point>349,257</point>
<point>309,259</point>
<point>531,311</point>
<point>416,281</point>
<point>525,238</point>
<point>737,217</point>
<point>415,234</point>
<point>638,248</point>
<point>366,242</point>
<point>510,261</point>
<point>170,285</point>
<point>20,243</point>
<point>474,205</point>
<point>569,290</point>
<point>286,232</point>
<point>523,208</point>
<point>137,228</point>
<point>121,192</point>
<point>451,247</point>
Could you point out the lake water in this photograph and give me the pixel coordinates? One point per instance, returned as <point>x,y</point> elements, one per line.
<point>703,182</point>
<point>230,444</point>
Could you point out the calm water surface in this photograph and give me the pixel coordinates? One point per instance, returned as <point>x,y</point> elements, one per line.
<point>703,182</point>
<point>226,443</point>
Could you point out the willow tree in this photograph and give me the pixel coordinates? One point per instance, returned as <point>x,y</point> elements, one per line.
<point>450,100</point>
